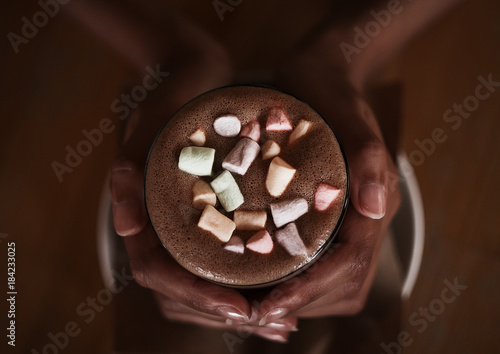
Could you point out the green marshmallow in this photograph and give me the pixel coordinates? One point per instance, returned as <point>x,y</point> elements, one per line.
<point>197,160</point>
<point>227,191</point>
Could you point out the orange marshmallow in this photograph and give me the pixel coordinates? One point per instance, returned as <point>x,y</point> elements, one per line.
<point>270,149</point>
<point>250,220</point>
<point>198,138</point>
<point>203,194</point>
<point>217,224</point>
<point>279,176</point>
<point>300,130</point>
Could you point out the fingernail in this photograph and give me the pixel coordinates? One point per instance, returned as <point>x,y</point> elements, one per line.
<point>125,217</point>
<point>282,326</point>
<point>275,336</point>
<point>233,314</point>
<point>372,199</point>
<point>272,316</point>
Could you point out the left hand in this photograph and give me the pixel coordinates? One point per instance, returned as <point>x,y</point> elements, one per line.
<point>338,284</point>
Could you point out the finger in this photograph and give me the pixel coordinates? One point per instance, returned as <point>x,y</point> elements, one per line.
<point>173,311</point>
<point>153,268</point>
<point>129,213</point>
<point>335,303</point>
<point>368,171</point>
<point>168,305</point>
<point>343,269</point>
<point>266,333</point>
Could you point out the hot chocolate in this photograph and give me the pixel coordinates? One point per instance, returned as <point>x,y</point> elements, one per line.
<point>284,164</point>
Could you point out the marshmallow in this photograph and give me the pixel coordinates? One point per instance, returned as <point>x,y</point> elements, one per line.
<point>289,238</point>
<point>270,149</point>
<point>261,242</point>
<point>203,194</point>
<point>279,176</point>
<point>288,210</point>
<point>277,120</point>
<point>235,244</point>
<point>198,138</point>
<point>300,130</point>
<point>227,126</point>
<point>197,160</point>
<point>250,220</point>
<point>227,191</point>
<point>241,157</point>
<point>325,196</point>
<point>251,130</point>
<point>214,222</point>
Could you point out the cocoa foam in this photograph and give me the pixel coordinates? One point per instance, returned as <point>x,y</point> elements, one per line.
<point>317,157</point>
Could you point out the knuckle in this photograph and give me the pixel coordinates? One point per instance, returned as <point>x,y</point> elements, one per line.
<point>373,147</point>
<point>123,164</point>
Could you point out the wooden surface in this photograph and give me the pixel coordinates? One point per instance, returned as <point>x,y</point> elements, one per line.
<point>64,81</point>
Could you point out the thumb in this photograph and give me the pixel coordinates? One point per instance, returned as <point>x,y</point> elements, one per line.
<point>369,169</point>
<point>129,212</point>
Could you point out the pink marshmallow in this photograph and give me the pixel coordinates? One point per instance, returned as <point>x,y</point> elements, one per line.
<point>235,244</point>
<point>242,156</point>
<point>261,242</point>
<point>277,120</point>
<point>251,130</point>
<point>325,196</point>
<point>288,210</point>
<point>289,238</point>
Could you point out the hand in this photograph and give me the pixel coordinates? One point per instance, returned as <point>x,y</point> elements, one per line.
<point>339,282</point>
<point>198,64</point>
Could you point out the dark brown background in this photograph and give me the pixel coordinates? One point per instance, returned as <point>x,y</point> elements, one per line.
<point>63,81</point>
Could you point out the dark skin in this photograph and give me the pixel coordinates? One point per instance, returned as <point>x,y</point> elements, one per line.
<point>319,73</point>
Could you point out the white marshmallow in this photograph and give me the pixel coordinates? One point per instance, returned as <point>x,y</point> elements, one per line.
<point>214,222</point>
<point>197,160</point>
<point>227,191</point>
<point>250,219</point>
<point>279,176</point>
<point>235,244</point>
<point>227,126</point>
<point>241,157</point>
<point>288,210</point>
<point>289,238</point>
<point>270,149</point>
